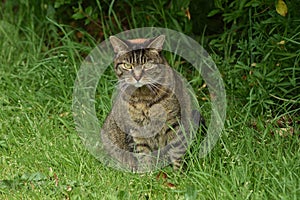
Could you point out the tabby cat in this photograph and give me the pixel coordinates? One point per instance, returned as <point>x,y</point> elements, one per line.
<point>152,116</point>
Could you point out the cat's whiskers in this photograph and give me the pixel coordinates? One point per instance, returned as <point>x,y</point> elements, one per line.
<point>155,87</point>
<point>153,81</point>
<point>150,87</point>
<point>122,86</point>
<point>158,85</point>
<point>120,82</point>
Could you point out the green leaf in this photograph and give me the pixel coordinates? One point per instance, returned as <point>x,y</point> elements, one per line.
<point>78,15</point>
<point>89,11</point>
<point>253,3</point>
<point>213,12</point>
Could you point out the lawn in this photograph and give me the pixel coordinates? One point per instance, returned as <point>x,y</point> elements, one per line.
<point>42,156</point>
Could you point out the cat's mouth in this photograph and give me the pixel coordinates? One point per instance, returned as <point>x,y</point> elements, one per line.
<point>138,84</point>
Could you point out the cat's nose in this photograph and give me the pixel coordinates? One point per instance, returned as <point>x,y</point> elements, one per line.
<point>137,77</point>
<point>137,73</point>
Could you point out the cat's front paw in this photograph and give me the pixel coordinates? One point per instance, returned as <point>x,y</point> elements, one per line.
<point>130,162</point>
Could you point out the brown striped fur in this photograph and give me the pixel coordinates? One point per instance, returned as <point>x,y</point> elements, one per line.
<point>146,115</point>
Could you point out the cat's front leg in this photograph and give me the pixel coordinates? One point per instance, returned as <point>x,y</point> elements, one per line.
<point>158,117</point>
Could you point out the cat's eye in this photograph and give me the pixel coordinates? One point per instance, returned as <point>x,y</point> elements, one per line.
<point>148,65</point>
<point>126,66</point>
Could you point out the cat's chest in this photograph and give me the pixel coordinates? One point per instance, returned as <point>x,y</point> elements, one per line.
<point>139,112</point>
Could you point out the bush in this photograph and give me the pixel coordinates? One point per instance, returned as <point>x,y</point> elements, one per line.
<point>258,53</point>
<point>255,48</point>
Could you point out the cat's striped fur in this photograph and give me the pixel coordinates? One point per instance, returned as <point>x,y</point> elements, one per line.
<point>152,112</point>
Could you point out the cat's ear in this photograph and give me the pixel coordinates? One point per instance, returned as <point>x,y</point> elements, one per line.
<point>157,43</point>
<point>118,44</point>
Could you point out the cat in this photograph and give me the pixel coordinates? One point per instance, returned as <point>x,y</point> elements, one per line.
<point>152,116</point>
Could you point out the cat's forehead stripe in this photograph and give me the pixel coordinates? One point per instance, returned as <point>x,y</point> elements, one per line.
<point>138,40</point>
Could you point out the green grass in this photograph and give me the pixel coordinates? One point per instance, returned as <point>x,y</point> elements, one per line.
<point>42,156</point>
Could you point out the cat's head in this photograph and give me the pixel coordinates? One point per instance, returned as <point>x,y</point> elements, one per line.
<point>139,62</point>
